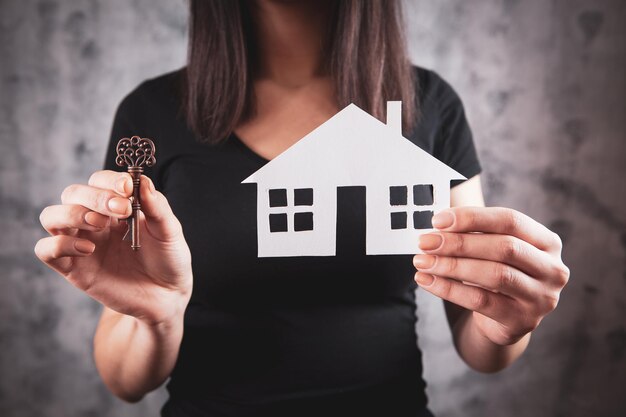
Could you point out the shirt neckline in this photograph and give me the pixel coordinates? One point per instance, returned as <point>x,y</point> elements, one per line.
<point>237,140</point>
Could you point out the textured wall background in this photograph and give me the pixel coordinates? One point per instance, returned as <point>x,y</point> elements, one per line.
<point>544,83</point>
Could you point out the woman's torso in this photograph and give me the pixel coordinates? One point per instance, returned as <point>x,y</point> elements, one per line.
<point>282,336</point>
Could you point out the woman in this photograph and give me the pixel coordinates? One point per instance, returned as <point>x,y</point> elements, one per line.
<point>288,336</point>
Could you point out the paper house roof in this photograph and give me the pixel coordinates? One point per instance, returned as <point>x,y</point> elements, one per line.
<point>353,148</point>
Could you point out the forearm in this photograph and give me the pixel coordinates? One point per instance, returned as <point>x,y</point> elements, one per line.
<point>134,357</point>
<point>480,353</point>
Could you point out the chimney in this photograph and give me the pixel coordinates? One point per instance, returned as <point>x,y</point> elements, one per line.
<point>394,116</point>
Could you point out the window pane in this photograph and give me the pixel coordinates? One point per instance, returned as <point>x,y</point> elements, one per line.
<point>423,219</point>
<point>303,196</point>
<point>278,198</point>
<point>397,195</point>
<point>423,195</point>
<point>302,221</point>
<point>278,222</point>
<point>398,220</point>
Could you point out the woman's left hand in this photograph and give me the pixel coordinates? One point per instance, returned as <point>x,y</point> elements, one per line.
<point>502,265</point>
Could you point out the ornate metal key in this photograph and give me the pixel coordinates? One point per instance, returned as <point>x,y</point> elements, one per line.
<point>135,153</point>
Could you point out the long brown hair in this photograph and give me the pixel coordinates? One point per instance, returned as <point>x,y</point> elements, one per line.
<point>367,62</point>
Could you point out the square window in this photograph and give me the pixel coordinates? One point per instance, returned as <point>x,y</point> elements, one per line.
<point>423,195</point>
<point>423,219</point>
<point>397,195</point>
<point>278,198</point>
<point>302,221</point>
<point>303,196</point>
<point>278,222</point>
<point>398,220</point>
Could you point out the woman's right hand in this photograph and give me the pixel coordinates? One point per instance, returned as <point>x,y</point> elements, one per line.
<point>152,284</point>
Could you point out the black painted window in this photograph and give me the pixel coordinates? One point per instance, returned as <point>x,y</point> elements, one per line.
<point>278,198</point>
<point>398,195</point>
<point>401,199</point>
<point>398,220</point>
<point>302,221</point>
<point>279,221</point>
<point>303,196</point>
<point>423,195</point>
<point>422,219</point>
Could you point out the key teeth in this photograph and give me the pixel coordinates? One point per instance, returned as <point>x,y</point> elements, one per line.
<point>127,234</point>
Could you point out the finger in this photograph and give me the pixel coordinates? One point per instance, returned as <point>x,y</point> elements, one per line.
<point>494,276</point>
<point>497,220</point>
<point>161,222</point>
<point>499,248</point>
<point>99,200</point>
<point>485,302</point>
<point>59,218</point>
<point>57,251</point>
<point>120,182</point>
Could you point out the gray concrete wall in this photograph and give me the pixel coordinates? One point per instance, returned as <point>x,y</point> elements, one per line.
<point>544,83</point>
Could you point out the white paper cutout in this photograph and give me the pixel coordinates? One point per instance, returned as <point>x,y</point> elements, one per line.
<point>352,148</point>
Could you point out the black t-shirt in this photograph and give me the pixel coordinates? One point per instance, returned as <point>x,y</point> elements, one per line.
<point>291,336</point>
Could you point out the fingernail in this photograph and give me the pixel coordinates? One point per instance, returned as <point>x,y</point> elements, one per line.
<point>84,246</point>
<point>423,261</point>
<point>96,220</point>
<point>443,220</point>
<point>119,205</point>
<point>424,279</point>
<point>120,185</point>
<point>430,241</point>
<point>152,189</point>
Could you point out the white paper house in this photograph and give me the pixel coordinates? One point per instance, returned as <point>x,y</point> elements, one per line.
<point>297,190</point>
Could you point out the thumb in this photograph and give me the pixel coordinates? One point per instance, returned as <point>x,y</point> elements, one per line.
<point>161,222</point>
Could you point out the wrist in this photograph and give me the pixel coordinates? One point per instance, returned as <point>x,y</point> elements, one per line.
<point>169,314</point>
<point>479,351</point>
<point>492,332</point>
<point>164,330</point>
